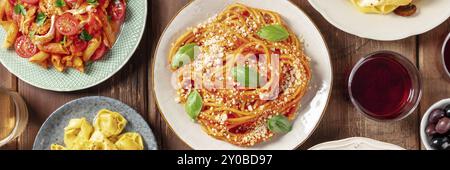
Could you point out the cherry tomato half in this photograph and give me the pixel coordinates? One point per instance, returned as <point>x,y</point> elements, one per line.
<point>67,24</point>
<point>79,45</point>
<point>24,47</point>
<point>93,26</point>
<point>117,10</point>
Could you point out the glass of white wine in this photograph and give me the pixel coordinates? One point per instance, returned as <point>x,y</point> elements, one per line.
<point>13,116</point>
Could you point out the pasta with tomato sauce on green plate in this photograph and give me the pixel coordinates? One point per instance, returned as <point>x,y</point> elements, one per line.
<point>61,33</point>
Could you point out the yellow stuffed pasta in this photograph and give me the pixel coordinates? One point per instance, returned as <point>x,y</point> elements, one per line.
<point>130,141</point>
<point>77,132</point>
<point>109,123</point>
<point>379,6</point>
<point>106,134</point>
<point>100,142</point>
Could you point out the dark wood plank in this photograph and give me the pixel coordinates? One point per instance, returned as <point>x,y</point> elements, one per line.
<point>435,80</point>
<point>7,81</point>
<point>162,13</point>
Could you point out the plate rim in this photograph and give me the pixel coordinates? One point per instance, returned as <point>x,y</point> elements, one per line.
<point>296,6</point>
<point>35,143</point>
<point>400,36</point>
<point>130,55</point>
<point>352,140</point>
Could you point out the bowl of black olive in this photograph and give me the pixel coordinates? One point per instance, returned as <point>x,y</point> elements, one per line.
<point>435,126</point>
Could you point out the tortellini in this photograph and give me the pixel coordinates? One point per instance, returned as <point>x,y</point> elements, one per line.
<point>79,134</point>
<point>109,123</point>
<point>379,6</point>
<point>100,142</point>
<point>57,147</point>
<point>78,131</point>
<point>130,141</point>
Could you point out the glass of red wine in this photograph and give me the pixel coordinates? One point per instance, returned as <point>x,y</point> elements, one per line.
<point>385,86</point>
<point>446,54</point>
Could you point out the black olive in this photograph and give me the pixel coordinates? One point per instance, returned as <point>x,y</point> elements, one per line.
<point>443,126</point>
<point>440,142</point>
<point>447,111</point>
<point>435,116</point>
<point>431,130</point>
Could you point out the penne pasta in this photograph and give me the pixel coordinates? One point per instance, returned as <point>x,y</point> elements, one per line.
<point>8,10</point>
<point>39,57</point>
<point>56,48</point>
<point>11,33</point>
<point>66,35</point>
<point>57,63</point>
<point>3,9</point>
<point>78,64</point>
<point>91,48</point>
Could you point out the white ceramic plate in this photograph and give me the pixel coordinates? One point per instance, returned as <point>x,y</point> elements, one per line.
<point>343,15</point>
<point>313,103</point>
<point>356,143</point>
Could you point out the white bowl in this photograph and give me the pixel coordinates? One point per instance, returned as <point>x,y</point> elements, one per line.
<point>423,124</point>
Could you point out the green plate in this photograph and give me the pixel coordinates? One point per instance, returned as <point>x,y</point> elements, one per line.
<point>96,72</point>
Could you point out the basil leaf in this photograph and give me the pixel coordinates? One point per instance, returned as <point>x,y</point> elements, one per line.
<point>20,9</point>
<point>184,55</point>
<point>85,36</point>
<point>32,34</point>
<point>92,2</point>
<point>40,18</point>
<point>273,33</point>
<point>279,124</point>
<point>60,3</point>
<point>194,104</point>
<point>246,76</point>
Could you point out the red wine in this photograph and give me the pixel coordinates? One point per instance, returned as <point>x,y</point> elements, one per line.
<point>382,86</point>
<point>447,55</point>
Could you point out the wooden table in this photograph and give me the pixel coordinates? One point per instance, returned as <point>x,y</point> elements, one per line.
<point>132,84</point>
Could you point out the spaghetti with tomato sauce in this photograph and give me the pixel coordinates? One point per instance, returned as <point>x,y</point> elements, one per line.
<point>62,33</point>
<point>241,114</point>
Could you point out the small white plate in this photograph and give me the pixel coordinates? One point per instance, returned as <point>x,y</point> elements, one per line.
<point>356,143</point>
<point>343,15</point>
<point>314,102</point>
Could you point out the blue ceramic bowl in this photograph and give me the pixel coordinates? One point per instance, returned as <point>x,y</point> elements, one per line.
<point>52,131</point>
